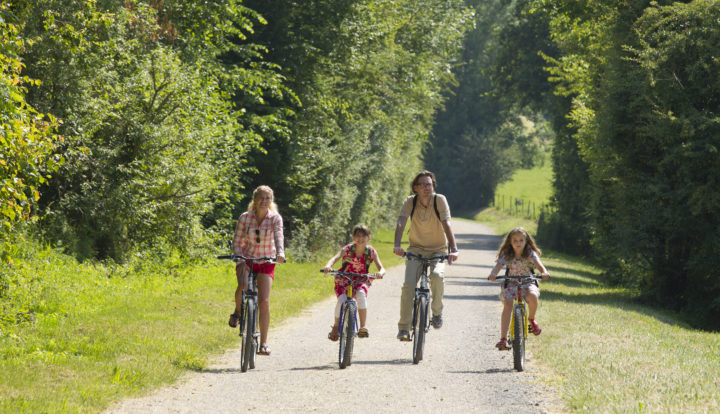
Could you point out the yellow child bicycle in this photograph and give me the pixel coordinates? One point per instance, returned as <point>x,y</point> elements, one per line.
<point>519,324</point>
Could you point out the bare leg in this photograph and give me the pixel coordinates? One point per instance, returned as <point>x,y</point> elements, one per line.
<point>264,282</point>
<point>363,317</point>
<point>505,318</point>
<point>532,301</point>
<point>241,272</point>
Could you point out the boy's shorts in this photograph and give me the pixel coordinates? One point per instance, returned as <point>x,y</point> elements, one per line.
<point>509,289</point>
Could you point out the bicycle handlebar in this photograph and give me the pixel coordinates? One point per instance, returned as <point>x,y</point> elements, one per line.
<point>237,258</point>
<point>440,258</point>
<point>531,277</point>
<point>341,273</point>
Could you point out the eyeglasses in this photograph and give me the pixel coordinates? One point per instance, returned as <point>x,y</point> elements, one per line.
<point>257,235</point>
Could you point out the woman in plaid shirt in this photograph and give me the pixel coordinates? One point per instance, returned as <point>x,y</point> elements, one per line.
<point>259,233</point>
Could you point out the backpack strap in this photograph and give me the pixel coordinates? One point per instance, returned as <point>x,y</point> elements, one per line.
<point>368,258</point>
<point>437,213</point>
<point>345,263</point>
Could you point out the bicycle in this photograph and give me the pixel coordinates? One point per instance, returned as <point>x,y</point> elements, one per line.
<point>518,332</point>
<point>421,322</point>
<point>249,315</point>
<point>348,324</point>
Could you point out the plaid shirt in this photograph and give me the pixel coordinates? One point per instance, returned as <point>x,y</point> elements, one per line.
<point>264,240</point>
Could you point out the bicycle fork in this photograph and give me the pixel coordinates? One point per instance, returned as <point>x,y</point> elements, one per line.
<point>420,291</point>
<point>246,294</point>
<point>353,317</point>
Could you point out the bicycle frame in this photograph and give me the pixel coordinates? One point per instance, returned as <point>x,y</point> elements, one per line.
<point>517,335</point>
<point>348,322</point>
<point>420,320</point>
<point>249,318</point>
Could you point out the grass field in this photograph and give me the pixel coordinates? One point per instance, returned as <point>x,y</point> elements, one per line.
<point>527,193</point>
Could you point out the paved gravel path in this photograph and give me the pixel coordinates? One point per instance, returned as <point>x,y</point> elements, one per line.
<point>461,371</point>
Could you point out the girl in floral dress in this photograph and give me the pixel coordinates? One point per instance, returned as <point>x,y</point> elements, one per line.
<point>519,253</point>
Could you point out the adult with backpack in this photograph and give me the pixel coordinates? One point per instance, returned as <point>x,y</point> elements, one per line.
<point>430,234</point>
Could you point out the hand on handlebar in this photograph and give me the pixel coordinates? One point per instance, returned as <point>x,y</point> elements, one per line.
<point>326,269</point>
<point>492,277</point>
<point>399,251</point>
<point>545,276</point>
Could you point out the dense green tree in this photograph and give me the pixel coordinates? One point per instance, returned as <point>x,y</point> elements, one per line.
<point>153,141</point>
<point>27,137</point>
<point>369,75</point>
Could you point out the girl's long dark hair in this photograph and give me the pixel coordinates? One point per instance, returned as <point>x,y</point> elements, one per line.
<point>506,250</point>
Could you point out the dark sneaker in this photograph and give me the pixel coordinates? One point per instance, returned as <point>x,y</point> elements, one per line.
<point>404,336</point>
<point>436,321</point>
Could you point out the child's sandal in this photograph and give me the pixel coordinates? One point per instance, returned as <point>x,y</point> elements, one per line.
<point>502,344</point>
<point>536,329</point>
<point>363,333</point>
<point>333,334</point>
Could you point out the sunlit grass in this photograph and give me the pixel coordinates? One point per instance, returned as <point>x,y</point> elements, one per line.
<point>100,333</point>
<point>534,184</point>
<point>607,353</point>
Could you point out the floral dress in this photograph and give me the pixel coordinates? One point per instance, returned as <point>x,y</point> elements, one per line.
<point>519,267</point>
<point>355,263</point>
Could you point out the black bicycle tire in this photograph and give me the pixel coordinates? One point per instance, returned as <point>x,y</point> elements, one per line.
<point>419,328</point>
<point>247,351</point>
<point>519,339</point>
<point>347,336</point>
<point>254,345</point>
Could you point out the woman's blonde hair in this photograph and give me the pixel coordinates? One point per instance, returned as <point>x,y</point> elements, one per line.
<point>256,194</point>
<point>506,250</point>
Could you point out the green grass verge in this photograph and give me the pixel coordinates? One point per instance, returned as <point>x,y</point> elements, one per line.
<point>606,353</point>
<point>94,334</point>
<point>533,184</point>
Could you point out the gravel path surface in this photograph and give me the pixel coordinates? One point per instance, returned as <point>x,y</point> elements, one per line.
<point>461,370</point>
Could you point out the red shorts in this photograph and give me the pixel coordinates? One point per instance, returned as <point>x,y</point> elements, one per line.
<point>265,268</point>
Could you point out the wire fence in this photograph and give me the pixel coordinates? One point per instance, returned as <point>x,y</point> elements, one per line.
<point>520,207</point>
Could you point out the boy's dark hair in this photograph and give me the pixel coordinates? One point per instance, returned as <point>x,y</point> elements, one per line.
<point>361,228</point>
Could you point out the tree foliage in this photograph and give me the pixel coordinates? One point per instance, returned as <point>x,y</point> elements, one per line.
<point>635,117</point>
<point>153,141</point>
<point>27,137</point>
<point>481,136</point>
<point>369,76</point>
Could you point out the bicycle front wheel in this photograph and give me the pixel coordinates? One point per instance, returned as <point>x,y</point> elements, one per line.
<point>248,342</point>
<point>519,338</point>
<point>419,327</point>
<point>347,335</point>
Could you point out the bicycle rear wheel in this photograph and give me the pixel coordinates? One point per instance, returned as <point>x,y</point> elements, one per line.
<point>519,338</point>
<point>347,335</point>
<point>248,342</point>
<point>419,327</point>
